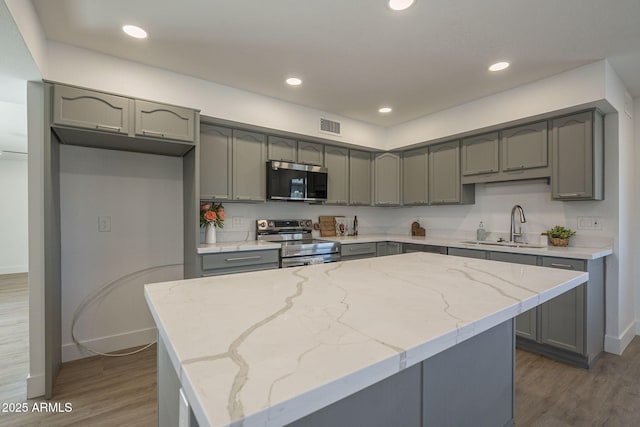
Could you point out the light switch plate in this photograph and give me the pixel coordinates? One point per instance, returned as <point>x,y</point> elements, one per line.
<point>589,223</point>
<point>104,223</point>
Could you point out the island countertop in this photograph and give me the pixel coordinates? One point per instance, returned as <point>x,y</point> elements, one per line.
<point>267,348</point>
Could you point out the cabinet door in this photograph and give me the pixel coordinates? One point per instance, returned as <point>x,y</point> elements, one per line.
<point>577,157</point>
<point>480,154</point>
<point>525,147</point>
<point>415,165</point>
<point>394,248</point>
<point>387,179</point>
<point>92,110</point>
<point>527,322</point>
<point>359,177</point>
<point>164,121</point>
<point>281,149</point>
<point>310,153</point>
<point>337,163</point>
<point>358,251</point>
<point>381,249</point>
<point>467,253</point>
<point>563,318</point>
<point>249,166</point>
<point>215,162</point>
<point>444,173</point>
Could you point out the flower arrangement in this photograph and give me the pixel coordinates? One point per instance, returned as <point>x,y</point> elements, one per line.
<point>560,232</point>
<point>211,214</point>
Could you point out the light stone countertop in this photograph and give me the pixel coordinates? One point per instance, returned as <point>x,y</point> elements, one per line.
<point>574,252</point>
<point>552,251</point>
<point>266,348</point>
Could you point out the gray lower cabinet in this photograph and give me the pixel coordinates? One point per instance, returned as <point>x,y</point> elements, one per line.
<point>358,251</point>
<point>249,158</point>
<point>359,177</point>
<point>417,247</point>
<point>445,186</point>
<point>163,121</point>
<point>239,262</point>
<point>283,149</point>
<point>215,162</point>
<point>415,177</point>
<point>336,160</point>
<point>310,153</point>
<point>578,157</point>
<point>569,327</point>
<point>388,248</point>
<point>387,179</point>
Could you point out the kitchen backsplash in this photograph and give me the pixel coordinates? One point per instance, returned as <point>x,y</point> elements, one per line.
<point>493,207</point>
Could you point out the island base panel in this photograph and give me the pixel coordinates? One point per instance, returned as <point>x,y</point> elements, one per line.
<point>470,384</point>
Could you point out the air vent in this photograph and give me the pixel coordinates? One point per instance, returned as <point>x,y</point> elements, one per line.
<point>329,126</point>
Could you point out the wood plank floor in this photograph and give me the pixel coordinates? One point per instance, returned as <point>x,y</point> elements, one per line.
<point>122,391</point>
<point>14,336</point>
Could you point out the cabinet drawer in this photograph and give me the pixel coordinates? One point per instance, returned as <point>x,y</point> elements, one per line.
<point>239,259</point>
<point>358,249</point>
<point>566,263</point>
<point>513,258</point>
<point>468,253</point>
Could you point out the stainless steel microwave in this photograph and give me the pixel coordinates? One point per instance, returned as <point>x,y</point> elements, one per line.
<point>293,181</point>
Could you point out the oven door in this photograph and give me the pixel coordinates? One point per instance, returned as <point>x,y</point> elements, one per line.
<point>298,261</point>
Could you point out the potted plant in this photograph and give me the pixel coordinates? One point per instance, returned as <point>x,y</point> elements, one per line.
<point>211,216</point>
<point>559,235</point>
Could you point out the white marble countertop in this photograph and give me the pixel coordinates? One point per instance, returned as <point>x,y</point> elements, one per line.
<point>247,245</point>
<point>568,252</point>
<point>272,346</point>
<point>553,251</point>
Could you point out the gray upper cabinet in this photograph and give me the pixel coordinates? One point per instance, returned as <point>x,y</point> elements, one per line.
<point>387,168</point>
<point>445,186</point>
<point>359,177</point>
<point>91,110</point>
<point>525,147</point>
<point>164,121</point>
<point>577,150</point>
<point>310,153</point>
<point>480,154</point>
<point>215,162</point>
<point>336,160</point>
<point>415,177</point>
<point>249,156</point>
<point>282,149</point>
<point>95,119</point>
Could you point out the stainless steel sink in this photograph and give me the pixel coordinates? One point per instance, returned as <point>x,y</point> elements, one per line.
<point>505,244</point>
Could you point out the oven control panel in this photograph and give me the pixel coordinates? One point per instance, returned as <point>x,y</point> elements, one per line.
<point>283,225</point>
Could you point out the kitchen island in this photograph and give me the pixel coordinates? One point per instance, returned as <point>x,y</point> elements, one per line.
<point>407,339</point>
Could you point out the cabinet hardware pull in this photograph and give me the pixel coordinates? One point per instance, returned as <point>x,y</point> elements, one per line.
<point>149,132</point>
<point>116,128</point>
<point>569,194</point>
<point>243,258</point>
<point>553,264</point>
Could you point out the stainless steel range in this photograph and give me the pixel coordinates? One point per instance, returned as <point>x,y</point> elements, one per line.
<point>298,247</point>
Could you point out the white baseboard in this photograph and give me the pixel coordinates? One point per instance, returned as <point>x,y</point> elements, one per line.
<point>617,345</point>
<point>35,386</point>
<point>12,269</point>
<point>72,351</point>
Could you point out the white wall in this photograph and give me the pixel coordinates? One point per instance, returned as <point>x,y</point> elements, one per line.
<point>636,223</point>
<point>142,195</point>
<point>14,249</point>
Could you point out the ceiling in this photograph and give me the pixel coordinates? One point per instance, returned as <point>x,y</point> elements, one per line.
<point>355,56</point>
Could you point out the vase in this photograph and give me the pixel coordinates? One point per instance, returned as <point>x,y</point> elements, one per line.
<point>557,241</point>
<point>209,234</point>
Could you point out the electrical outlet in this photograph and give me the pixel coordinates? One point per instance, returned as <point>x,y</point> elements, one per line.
<point>104,223</point>
<point>589,223</point>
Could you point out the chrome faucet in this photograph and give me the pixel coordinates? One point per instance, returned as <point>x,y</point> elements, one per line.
<point>512,233</point>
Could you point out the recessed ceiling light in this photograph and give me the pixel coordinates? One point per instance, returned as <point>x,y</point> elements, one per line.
<point>134,31</point>
<point>294,81</point>
<point>498,66</point>
<point>400,4</point>
<point>385,109</point>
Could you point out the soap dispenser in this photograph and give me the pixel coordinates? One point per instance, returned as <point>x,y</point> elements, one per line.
<point>481,233</point>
